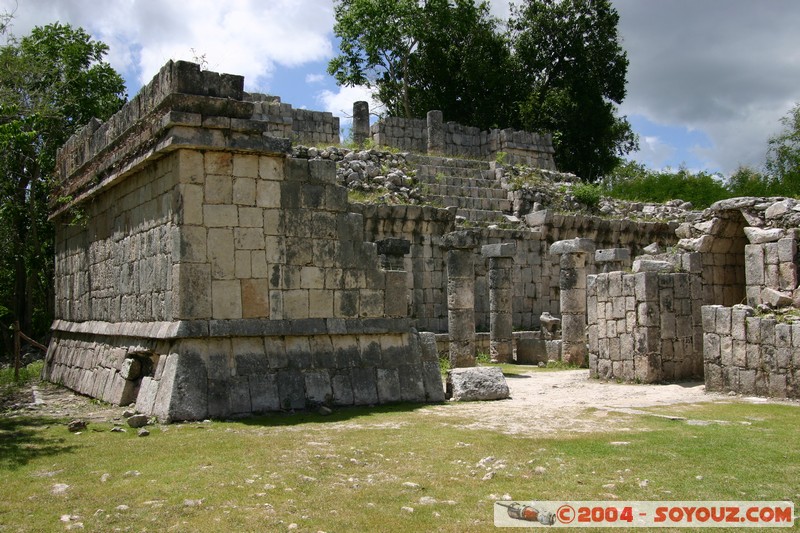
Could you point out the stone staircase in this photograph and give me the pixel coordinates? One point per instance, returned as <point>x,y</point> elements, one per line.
<point>469,185</point>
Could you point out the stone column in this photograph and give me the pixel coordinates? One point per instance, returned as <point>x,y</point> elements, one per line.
<point>611,259</point>
<point>572,284</point>
<point>360,122</point>
<point>501,327</point>
<point>461,296</point>
<point>436,134</point>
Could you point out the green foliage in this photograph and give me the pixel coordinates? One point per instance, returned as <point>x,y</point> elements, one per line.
<point>426,55</point>
<point>572,72</point>
<point>750,182</point>
<point>558,68</point>
<point>483,358</point>
<point>632,181</point>
<point>782,175</point>
<point>28,373</point>
<point>588,194</point>
<point>783,158</point>
<point>52,82</point>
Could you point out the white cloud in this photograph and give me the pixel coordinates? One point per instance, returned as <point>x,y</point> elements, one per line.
<point>315,78</point>
<point>654,152</point>
<point>727,68</point>
<point>340,103</point>
<point>247,37</point>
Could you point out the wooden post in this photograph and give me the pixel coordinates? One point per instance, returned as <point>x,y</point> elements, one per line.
<point>16,350</point>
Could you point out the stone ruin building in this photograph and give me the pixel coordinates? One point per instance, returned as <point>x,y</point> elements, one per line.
<point>223,271</point>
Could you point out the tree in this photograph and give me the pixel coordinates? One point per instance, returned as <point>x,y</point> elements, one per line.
<point>52,82</point>
<point>463,66</point>
<point>377,40</point>
<point>421,55</point>
<point>783,157</point>
<point>572,69</point>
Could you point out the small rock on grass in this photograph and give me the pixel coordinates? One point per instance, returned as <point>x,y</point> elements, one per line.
<point>411,485</point>
<point>59,488</point>
<point>137,421</point>
<point>407,509</point>
<point>143,432</point>
<point>76,425</point>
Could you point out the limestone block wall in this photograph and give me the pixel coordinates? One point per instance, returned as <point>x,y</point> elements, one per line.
<point>301,125</point>
<point>118,267</point>
<point>218,276</point>
<point>464,141</point>
<point>749,354</point>
<point>645,326</point>
<point>771,262</point>
<point>409,134</point>
<point>520,147</point>
<point>535,274</point>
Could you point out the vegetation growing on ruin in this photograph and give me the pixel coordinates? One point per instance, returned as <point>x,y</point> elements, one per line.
<point>588,194</point>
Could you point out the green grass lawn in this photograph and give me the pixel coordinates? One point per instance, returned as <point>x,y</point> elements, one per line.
<point>356,469</point>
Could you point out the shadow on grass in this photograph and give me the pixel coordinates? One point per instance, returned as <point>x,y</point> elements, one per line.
<point>339,414</point>
<point>22,439</point>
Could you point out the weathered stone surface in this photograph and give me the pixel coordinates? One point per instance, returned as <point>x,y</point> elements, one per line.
<point>131,369</point>
<point>775,298</point>
<point>137,421</point>
<point>506,249</point>
<point>761,236</point>
<point>612,255</point>
<point>649,265</point>
<point>476,384</point>
<point>460,240</point>
<point>572,246</point>
<point>778,209</point>
<point>395,247</point>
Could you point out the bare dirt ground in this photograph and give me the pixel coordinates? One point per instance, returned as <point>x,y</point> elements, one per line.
<point>541,403</point>
<point>568,401</point>
<point>544,403</point>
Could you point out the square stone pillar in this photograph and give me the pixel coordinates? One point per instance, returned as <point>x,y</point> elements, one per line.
<point>572,285</point>
<point>360,122</point>
<point>501,327</point>
<point>436,133</point>
<point>461,296</point>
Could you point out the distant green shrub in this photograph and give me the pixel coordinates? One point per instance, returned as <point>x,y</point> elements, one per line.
<point>632,181</point>
<point>588,194</point>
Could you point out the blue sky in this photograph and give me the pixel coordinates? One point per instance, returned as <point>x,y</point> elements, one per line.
<point>708,80</point>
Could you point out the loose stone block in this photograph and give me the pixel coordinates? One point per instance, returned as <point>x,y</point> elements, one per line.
<point>476,384</point>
